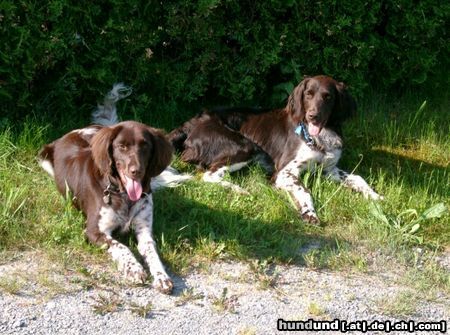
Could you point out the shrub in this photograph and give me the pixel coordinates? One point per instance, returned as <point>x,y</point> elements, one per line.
<point>59,56</point>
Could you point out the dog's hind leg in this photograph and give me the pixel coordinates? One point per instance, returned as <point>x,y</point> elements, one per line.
<point>217,175</point>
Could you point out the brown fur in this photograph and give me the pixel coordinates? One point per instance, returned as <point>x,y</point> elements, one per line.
<point>87,163</point>
<point>219,137</point>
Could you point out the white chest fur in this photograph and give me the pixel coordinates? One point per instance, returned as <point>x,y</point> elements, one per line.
<point>111,219</point>
<point>308,157</point>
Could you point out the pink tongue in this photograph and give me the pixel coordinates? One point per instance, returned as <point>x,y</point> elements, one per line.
<point>134,189</point>
<point>313,129</point>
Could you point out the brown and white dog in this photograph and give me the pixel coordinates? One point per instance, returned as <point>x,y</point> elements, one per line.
<point>306,133</point>
<point>108,170</point>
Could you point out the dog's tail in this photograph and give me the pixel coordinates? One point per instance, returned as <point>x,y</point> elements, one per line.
<point>106,114</point>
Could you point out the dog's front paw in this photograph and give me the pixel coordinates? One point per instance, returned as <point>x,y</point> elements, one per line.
<point>163,283</point>
<point>311,218</point>
<point>134,273</point>
<point>127,264</point>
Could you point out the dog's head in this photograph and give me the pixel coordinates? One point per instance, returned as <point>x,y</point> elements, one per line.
<point>320,101</point>
<point>133,153</point>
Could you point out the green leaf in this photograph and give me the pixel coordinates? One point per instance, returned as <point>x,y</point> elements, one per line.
<point>434,212</point>
<point>377,212</point>
<point>414,228</point>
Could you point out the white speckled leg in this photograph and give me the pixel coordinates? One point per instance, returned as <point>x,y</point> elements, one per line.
<point>217,177</point>
<point>143,220</point>
<point>354,182</point>
<point>287,179</point>
<point>126,262</point>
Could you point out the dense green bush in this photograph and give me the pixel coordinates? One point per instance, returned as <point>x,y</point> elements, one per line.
<point>58,57</point>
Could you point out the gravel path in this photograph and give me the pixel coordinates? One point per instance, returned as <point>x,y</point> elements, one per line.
<point>250,304</point>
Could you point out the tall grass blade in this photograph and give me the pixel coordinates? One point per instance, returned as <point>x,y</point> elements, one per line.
<point>418,114</point>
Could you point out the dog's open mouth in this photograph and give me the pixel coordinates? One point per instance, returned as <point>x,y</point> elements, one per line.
<point>133,187</point>
<point>314,129</point>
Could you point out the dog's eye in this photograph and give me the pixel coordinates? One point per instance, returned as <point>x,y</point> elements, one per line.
<point>309,94</point>
<point>122,147</point>
<point>326,96</point>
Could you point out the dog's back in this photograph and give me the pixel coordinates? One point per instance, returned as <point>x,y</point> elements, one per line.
<point>232,118</point>
<point>69,161</point>
<point>212,139</point>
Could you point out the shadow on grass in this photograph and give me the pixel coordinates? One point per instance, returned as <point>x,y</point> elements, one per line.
<point>411,173</point>
<point>191,229</point>
<point>415,173</point>
<point>391,134</point>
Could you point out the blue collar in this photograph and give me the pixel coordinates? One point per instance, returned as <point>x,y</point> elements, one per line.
<point>303,130</point>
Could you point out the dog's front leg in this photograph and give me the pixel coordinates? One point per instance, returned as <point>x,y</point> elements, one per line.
<point>143,221</point>
<point>99,233</point>
<point>287,179</point>
<point>353,181</point>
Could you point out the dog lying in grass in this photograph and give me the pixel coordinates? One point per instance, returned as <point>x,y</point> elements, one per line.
<point>301,136</point>
<point>108,169</point>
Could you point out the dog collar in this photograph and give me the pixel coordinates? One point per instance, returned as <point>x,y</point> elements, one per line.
<point>110,188</point>
<point>303,130</point>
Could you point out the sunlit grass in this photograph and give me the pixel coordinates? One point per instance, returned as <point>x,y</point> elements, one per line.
<point>401,149</point>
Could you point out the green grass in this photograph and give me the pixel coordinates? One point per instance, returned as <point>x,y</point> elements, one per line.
<point>402,304</point>
<point>401,148</point>
<point>224,302</point>
<point>315,310</point>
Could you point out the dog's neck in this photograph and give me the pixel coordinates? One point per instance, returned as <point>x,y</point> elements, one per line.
<point>328,140</point>
<point>302,130</point>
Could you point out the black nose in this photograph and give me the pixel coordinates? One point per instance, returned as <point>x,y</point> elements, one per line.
<point>133,170</point>
<point>312,116</point>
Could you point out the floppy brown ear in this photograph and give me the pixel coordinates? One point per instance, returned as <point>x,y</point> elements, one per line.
<point>162,153</point>
<point>101,147</point>
<point>295,106</point>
